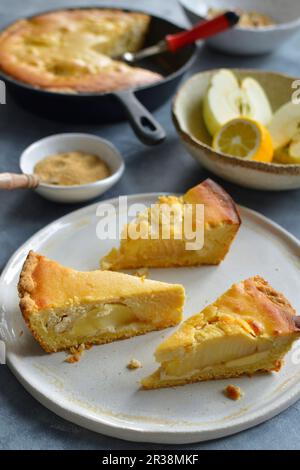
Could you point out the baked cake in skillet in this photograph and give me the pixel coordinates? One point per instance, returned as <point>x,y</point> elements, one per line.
<point>75,50</point>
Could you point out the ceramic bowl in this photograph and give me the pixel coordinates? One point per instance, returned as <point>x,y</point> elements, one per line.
<point>74,142</point>
<point>188,120</point>
<point>251,40</point>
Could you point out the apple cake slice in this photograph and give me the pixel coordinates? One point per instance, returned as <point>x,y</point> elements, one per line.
<point>65,308</point>
<point>248,329</point>
<point>219,227</point>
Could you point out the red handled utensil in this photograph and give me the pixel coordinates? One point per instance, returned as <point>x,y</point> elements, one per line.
<point>173,42</point>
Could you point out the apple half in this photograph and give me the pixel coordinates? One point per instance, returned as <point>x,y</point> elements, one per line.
<point>227,99</point>
<point>285,126</point>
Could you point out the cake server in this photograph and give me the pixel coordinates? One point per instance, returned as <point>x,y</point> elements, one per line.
<point>173,42</point>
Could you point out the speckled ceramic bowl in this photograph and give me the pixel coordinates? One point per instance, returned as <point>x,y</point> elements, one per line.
<point>250,41</point>
<point>188,120</point>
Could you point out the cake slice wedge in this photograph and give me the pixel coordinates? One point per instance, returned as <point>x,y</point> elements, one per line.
<point>65,308</point>
<point>218,229</point>
<point>248,329</point>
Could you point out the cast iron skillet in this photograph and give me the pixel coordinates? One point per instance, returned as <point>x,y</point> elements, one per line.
<point>134,104</point>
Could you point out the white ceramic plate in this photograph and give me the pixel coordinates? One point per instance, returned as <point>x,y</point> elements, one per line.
<point>100,393</point>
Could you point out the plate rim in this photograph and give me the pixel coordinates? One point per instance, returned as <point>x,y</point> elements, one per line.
<point>134,432</point>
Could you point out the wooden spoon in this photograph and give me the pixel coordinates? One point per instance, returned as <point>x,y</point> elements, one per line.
<point>9,181</point>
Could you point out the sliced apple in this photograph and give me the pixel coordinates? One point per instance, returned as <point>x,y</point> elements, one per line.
<point>281,155</point>
<point>256,102</point>
<point>225,79</point>
<point>294,148</point>
<point>285,124</point>
<point>226,99</point>
<point>222,101</point>
<point>289,154</point>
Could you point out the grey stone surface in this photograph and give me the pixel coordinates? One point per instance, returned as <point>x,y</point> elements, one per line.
<point>24,423</point>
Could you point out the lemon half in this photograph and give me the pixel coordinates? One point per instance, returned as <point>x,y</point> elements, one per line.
<point>245,138</point>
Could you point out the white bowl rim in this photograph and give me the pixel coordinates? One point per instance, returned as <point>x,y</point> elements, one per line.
<point>229,158</point>
<point>262,29</point>
<point>77,187</point>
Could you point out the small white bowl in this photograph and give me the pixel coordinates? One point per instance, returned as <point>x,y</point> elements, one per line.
<point>250,41</point>
<point>61,143</point>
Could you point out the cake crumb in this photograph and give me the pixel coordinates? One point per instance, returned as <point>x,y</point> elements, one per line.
<point>143,273</point>
<point>233,392</point>
<point>21,333</point>
<point>277,366</point>
<point>75,354</point>
<point>134,364</point>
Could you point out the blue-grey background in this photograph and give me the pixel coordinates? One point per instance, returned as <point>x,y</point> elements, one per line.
<point>24,423</point>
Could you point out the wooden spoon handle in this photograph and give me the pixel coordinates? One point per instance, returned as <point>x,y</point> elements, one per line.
<point>10,181</point>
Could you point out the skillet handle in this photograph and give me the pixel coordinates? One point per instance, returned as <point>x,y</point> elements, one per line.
<point>146,128</point>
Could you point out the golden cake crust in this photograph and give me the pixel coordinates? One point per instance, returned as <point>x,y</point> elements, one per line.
<point>26,285</point>
<point>64,50</point>
<point>219,207</point>
<point>153,381</point>
<point>279,312</point>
